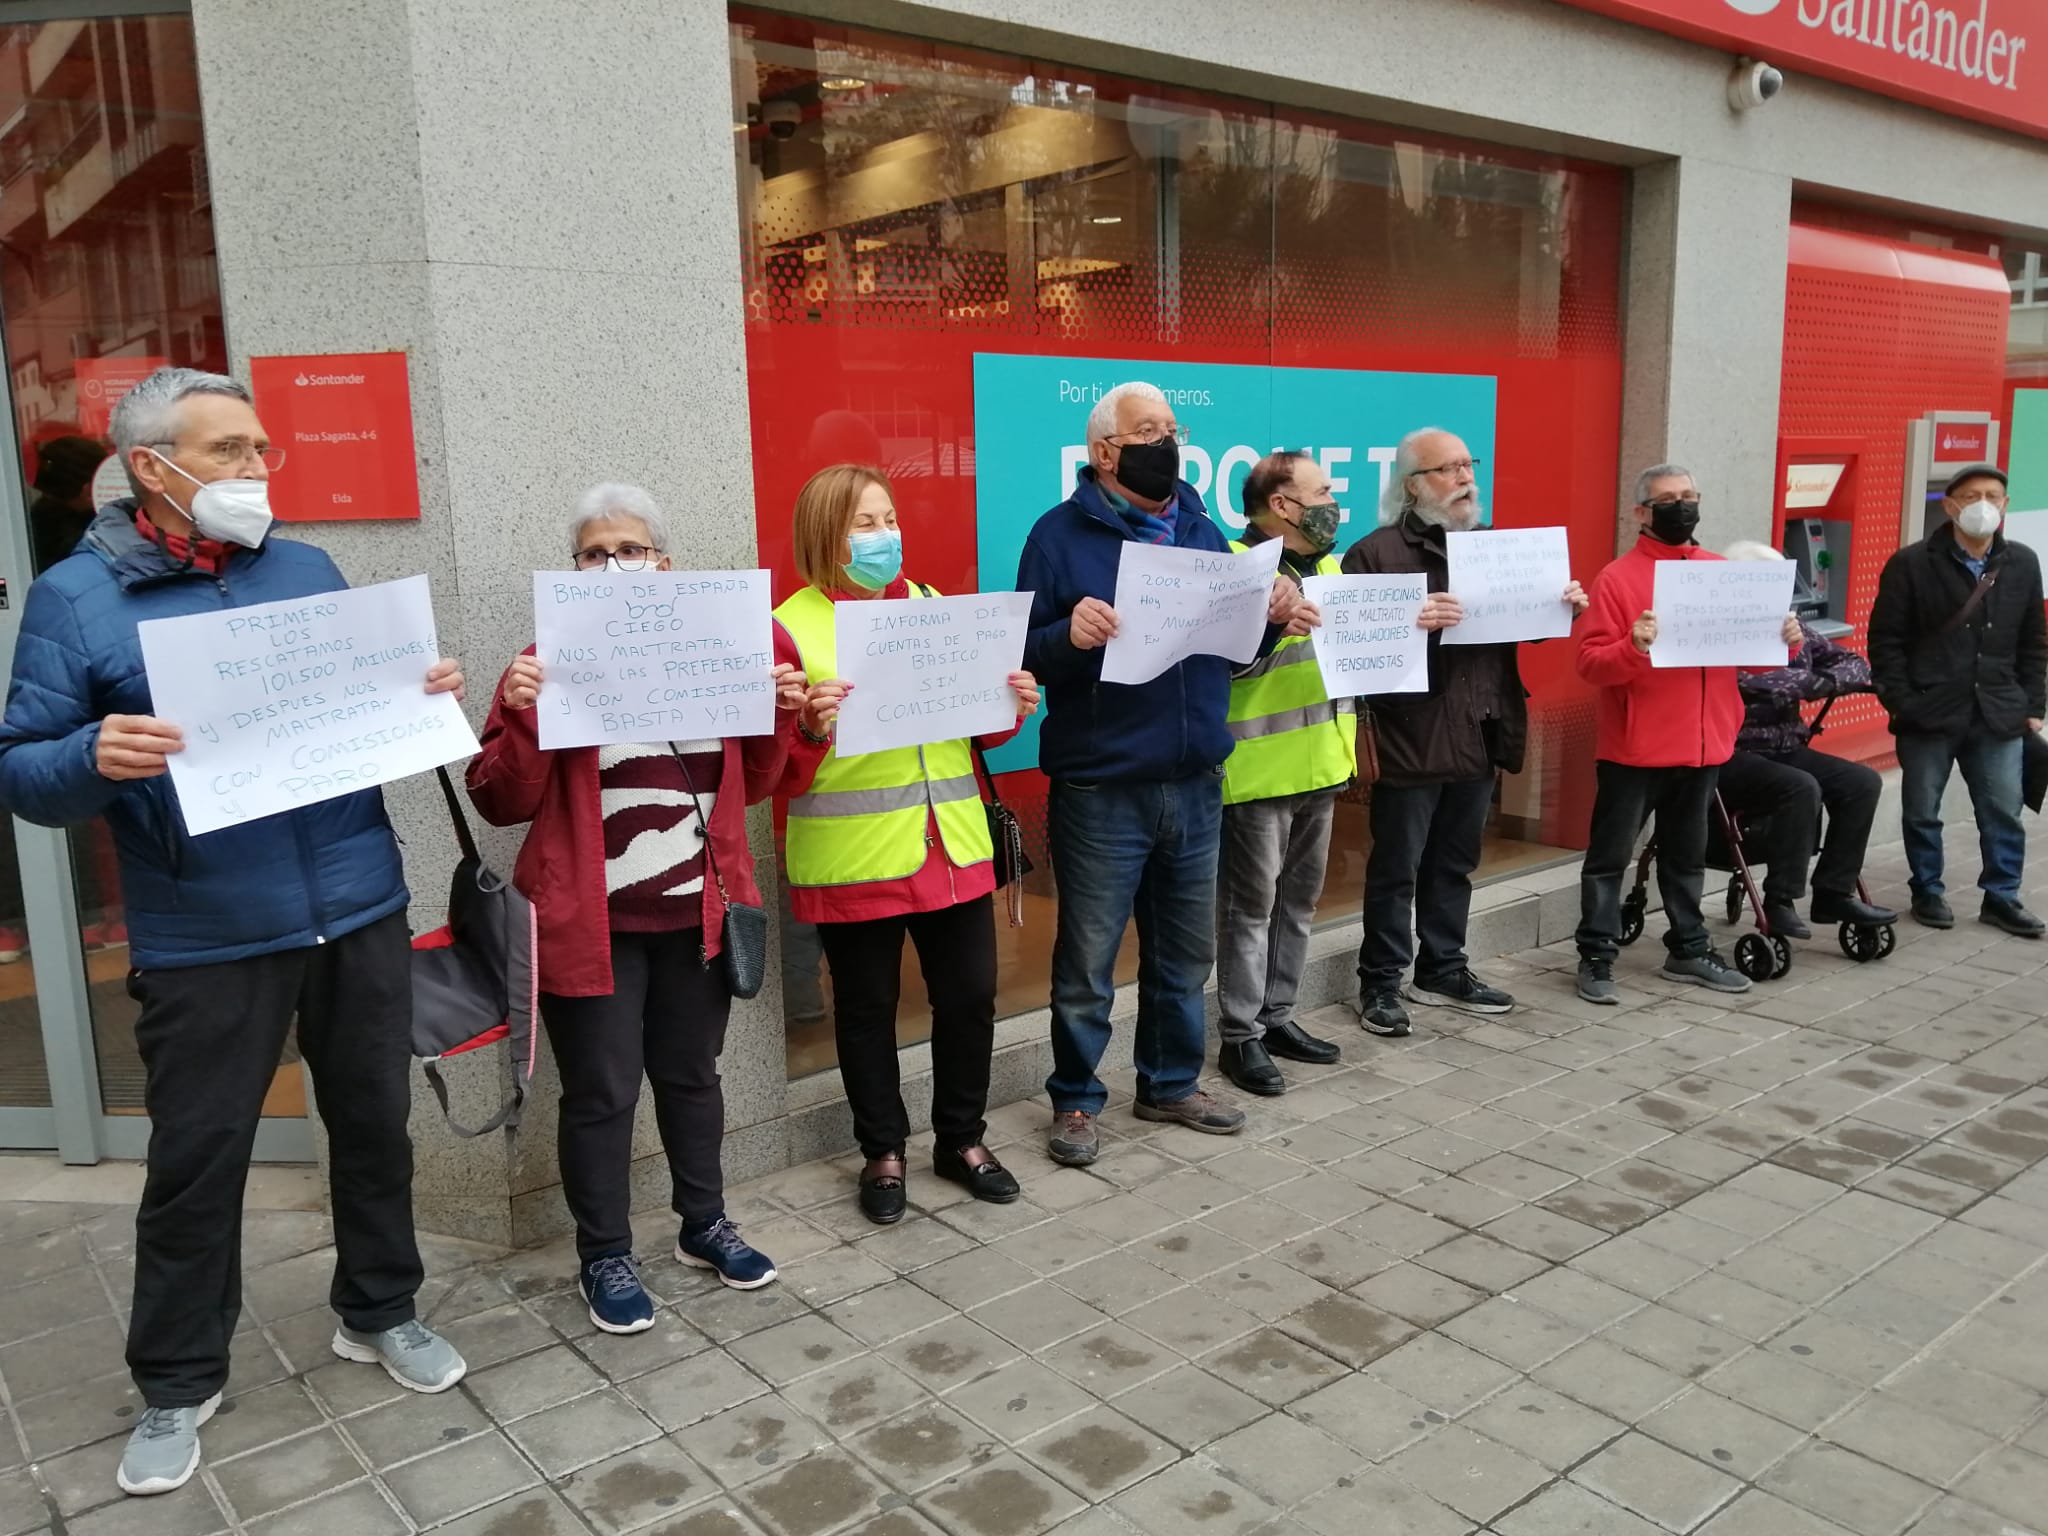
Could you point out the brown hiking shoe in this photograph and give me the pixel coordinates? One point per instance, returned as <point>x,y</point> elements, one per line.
<point>1198,1112</point>
<point>1073,1140</point>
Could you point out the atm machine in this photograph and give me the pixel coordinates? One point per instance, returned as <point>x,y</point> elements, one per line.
<point>1818,500</point>
<point>1937,445</point>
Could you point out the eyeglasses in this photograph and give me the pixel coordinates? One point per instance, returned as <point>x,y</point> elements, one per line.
<point>1150,435</point>
<point>1682,503</point>
<point>1451,467</point>
<point>629,557</point>
<point>233,452</point>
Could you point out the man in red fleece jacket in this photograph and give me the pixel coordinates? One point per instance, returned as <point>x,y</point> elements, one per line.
<point>1661,737</point>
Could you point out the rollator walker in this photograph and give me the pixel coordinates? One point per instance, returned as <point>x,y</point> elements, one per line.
<point>1763,955</point>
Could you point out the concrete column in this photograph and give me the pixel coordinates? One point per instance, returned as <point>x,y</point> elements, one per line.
<point>524,200</point>
<point>1705,331</point>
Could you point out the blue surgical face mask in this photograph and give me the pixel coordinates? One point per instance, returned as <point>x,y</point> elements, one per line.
<point>877,558</point>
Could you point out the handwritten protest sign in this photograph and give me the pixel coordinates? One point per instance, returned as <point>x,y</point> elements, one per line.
<point>1720,613</point>
<point>1369,642</point>
<point>1510,582</point>
<point>928,669</point>
<point>630,656</point>
<point>288,704</point>
<point>1175,603</point>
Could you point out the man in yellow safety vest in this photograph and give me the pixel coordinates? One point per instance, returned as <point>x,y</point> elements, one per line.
<point>1295,748</point>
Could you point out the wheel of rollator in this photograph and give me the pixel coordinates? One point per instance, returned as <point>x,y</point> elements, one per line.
<point>1858,941</point>
<point>1735,895</point>
<point>1753,957</point>
<point>1632,915</point>
<point>1781,953</point>
<point>1887,940</point>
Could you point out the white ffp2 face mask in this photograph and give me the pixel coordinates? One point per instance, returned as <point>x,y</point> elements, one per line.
<point>1980,519</point>
<point>228,511</point>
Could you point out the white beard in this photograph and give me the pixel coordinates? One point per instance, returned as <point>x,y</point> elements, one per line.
<point>1458,516</point>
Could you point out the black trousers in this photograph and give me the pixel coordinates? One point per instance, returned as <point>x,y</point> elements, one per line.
<point>1426,841</point>
<point>1626,797</point>
<point>1780,799</point>
<point>956,950</point>
<point>664,1019</point>
<point>210,1037</point>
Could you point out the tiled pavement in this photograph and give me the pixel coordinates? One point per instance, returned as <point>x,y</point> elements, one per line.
<point>1772,1269</point>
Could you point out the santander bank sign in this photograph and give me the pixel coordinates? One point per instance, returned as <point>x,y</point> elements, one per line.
<point>1981,59</point>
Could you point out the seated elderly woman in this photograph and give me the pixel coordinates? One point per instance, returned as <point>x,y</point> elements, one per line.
<point>629,934</point>
<point>1778,783</point>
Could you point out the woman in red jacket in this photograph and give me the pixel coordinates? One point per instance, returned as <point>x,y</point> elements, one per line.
<point>869,873</point>
<point>630,928</point>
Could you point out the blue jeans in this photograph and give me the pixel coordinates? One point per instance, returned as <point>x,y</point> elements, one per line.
<point>1992,770</point>
<point>1119,851</point>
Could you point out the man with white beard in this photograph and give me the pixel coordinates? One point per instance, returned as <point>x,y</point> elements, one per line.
<point>1438,752</point>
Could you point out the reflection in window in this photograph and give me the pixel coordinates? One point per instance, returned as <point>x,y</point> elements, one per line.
<point>905,204</point>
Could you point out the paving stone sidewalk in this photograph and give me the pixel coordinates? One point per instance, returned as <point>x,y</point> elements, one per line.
<point>1767,1266</point>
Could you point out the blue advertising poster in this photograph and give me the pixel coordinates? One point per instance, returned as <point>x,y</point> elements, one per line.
<point>1031,427</point>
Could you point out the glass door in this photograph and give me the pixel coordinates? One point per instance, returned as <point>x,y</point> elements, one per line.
<point>107,272</point>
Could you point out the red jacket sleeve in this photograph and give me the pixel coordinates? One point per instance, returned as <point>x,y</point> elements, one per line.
<point>510,770</point>
<point>1607,650</point>
<point>765,758</point>
<point>801,755</point>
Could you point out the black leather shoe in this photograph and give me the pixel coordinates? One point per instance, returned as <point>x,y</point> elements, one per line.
<point>883,1196</point>
<point>1933,912</point>
<point>1838,907</point>
<point>2004,913</point>
<point>1785,921</point>
<point>1294,1043</point>
<point>986,1180</point>
<point>1249,1067</point>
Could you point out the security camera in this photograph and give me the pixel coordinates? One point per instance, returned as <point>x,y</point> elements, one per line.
<point>1753,83</point>
<point>782,117</point>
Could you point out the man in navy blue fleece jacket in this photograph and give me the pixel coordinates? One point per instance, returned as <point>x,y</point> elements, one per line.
<point>1137,777</point>
<point>232,933</point>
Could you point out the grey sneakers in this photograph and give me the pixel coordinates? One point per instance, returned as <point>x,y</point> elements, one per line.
<point>163,1451</point>
<point>1596,982</point>
<point>1198,1112</point>
<point>1074,1140</point>
<point>1707,970</point>
<point>412,1354</point>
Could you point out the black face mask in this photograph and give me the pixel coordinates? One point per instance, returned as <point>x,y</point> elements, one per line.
<point>1150,469</point>
<point>1672,522</point>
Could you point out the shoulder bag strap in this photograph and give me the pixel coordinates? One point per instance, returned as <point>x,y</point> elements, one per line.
<point>463,839</point>
<point>1971,603</point>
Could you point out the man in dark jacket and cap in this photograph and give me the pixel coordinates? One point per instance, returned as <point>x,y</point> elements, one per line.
<point>231,934</point>
<point>1439,752</point>
<point>1959,653</point>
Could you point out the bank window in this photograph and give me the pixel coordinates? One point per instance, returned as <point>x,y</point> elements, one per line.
<point>905,205</point>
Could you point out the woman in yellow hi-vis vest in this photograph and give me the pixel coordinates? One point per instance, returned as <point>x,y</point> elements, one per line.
<point>884,845</point>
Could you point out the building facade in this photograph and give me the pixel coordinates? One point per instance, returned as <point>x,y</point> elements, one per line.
<point>712,248</point>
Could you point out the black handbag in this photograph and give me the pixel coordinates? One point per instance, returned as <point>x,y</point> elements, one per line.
<point>744,948</point>
<point>474,980</point>
<point>1007,837</point>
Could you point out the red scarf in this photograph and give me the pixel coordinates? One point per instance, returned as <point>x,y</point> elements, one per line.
<point>208,555</point>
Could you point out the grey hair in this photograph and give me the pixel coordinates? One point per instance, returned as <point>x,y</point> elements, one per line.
<point>1750,549</point>
<point>1397,500</point>
<point>602,503</point>
<point>1102,419</point>
<point>147,416</point>
<point>1660,472</point>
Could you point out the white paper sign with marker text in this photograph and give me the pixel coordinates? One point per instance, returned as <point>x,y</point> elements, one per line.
<point>928,669</point>
<point>288,704</point>
<point>1720,613</point>
<point>632,656</point>
<point>1510,582</point>
<point>1175,603</point>
<point>1370,642</point>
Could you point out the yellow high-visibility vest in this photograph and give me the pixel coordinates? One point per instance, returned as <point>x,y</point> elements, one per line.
<point>864,818</point>
<point>1291,737</point>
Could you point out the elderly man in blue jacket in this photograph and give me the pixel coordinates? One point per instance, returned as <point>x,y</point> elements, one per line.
<point>232,933</point>
<point>1137,777</point>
